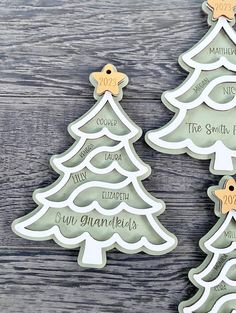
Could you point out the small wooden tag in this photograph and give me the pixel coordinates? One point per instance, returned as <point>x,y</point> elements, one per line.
<point>108,80</point>
<point>222,8</point>
<point>227,196</point>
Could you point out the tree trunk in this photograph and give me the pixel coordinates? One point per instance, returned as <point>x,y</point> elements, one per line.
<point>92,255</point>
<point>223,161</point>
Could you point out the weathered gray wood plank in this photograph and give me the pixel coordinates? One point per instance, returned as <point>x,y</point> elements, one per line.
<point>48,48</point>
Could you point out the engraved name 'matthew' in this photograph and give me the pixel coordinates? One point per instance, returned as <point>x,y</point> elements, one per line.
<point>222,51</point>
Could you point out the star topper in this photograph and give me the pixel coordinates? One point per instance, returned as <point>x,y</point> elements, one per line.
<point>109,80</point>
<point>222,8</point>
<point>227,196</point>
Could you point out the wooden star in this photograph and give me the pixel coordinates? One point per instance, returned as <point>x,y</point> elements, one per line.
<point>108,80</point>
<point>222,8</point>
<point>227,196</point>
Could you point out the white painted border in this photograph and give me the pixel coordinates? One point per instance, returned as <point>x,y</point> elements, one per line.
<point>172,96</point>
<point>208,285</point>
<point>41,195</point>
<point>143,242</point>
<point>199,278</point>
<point>217,305</point>
<point>223,162</point>
<point>213,32</point>
<point>74,127</point>
<point>154,206</point>
<point>208,244</point>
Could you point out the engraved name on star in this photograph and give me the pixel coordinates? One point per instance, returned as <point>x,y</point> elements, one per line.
<point>222,8</point>
<point>227,196</point>
<point>108,80</point>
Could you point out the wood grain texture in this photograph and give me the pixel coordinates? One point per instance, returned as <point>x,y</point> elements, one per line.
<point>48,49</point>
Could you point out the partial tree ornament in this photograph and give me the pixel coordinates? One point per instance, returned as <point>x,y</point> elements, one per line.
<point>204,124</point>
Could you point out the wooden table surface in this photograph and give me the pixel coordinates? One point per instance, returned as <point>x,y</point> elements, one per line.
<point>48,49</point>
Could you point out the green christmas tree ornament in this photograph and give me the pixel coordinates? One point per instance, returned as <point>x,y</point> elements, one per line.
<point>98,202</point>
<point>216,277</point>
<point>204,125</point>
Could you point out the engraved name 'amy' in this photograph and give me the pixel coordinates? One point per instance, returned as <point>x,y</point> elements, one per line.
<point>209,129</point>
<point>119,196</point>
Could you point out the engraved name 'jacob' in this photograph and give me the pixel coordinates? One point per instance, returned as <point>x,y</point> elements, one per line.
<point>85,220</point>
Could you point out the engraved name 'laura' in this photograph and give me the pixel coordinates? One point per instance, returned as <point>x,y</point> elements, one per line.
<point>85,220</point>
<point>222,51</point>
<point>79,177</point>
<point>86,151</point>
<point>113,157</point>
<point>208,129</point>
<point>120,196</point>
